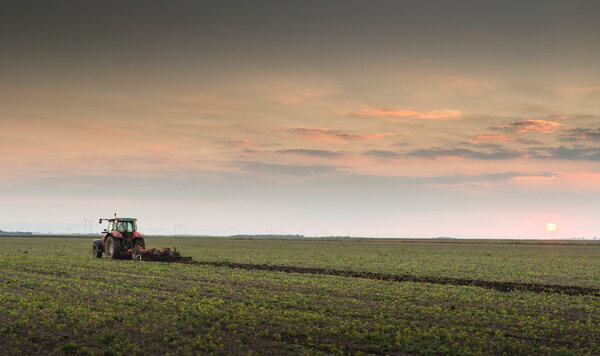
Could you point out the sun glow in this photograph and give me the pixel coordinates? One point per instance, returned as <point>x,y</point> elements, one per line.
<point>551,227</point>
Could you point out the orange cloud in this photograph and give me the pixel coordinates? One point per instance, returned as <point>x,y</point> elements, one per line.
<point>492,137</point>
<point>325,135</point>
<point>432,114</point>
<point>535,179</point>
<point>573,180</point>
<point>243,143</point>
<point>541,126</point>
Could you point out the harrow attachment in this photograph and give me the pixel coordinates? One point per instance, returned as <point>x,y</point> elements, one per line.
<point>164,254</point>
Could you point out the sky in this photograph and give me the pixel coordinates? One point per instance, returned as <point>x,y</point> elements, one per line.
<point>475,119</point>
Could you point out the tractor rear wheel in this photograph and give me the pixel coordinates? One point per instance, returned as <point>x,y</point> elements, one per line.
<point>96,252</point>
<point>113,247</point>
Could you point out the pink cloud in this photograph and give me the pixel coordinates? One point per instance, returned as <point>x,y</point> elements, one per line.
<point>541,126</point>
<point>431,114</point>
<point>325,135</point>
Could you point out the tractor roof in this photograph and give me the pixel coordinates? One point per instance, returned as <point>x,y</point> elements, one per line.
<point>117,219</point>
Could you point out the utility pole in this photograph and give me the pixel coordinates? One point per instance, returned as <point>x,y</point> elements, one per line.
<point>85,225</point>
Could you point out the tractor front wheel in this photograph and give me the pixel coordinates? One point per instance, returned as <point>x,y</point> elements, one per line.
<point>96,251</point>
<point>113,247</point>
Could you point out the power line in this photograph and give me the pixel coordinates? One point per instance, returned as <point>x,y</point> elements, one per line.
<point>85,226</point>
<point>178,226</point>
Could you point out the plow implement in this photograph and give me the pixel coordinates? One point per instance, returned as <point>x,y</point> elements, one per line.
<point>165,255</point>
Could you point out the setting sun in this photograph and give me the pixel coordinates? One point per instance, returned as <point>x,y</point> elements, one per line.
<point>551,227</point>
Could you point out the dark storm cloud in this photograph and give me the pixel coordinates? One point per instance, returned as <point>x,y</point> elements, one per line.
<point>465,153</point>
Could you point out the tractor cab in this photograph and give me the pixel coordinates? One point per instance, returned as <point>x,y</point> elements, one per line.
<point>125,226</point>
<point>121,224</point>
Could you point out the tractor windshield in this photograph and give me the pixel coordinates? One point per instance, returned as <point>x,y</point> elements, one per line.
<point>126,226</point>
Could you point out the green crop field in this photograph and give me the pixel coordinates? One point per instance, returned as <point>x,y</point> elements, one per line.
<point>56,298</point>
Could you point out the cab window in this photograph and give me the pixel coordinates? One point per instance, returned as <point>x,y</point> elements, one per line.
<point>125,226</point>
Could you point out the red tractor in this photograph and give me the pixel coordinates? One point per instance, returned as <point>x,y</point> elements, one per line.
<point>122,240</point>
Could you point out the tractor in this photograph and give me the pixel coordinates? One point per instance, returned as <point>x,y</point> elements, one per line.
<point>122,240</point>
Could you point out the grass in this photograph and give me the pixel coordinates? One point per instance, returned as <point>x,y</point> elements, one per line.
<point>56,298</point>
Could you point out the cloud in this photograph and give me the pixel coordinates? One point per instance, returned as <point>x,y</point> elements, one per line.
<point>274,169</point>
<point>326,135</point>
<point>541,126</point>
<point>575,91</point>
<point>578,179</point>
<point>492,137</point>
<point>445,181</point>
<point>476,179</point>
<point>252,150</point>
<point>383,154</point>
<point>243,143</point>
<point>465,153</point>
<point>315,153</point>
<point>582,134</point>
<point>561,152</point>
<point>493,141</point>
<point>432,114</point>
<point>465,84</point>
<point>536,179</point>
<point>577,153</point>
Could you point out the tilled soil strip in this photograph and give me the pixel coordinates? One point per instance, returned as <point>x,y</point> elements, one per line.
<point>499,286</point>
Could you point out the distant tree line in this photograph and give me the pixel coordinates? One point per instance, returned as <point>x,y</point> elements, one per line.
<point>2,232</point>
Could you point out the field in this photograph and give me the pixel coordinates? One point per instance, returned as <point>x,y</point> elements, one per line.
<point>56,298</point>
